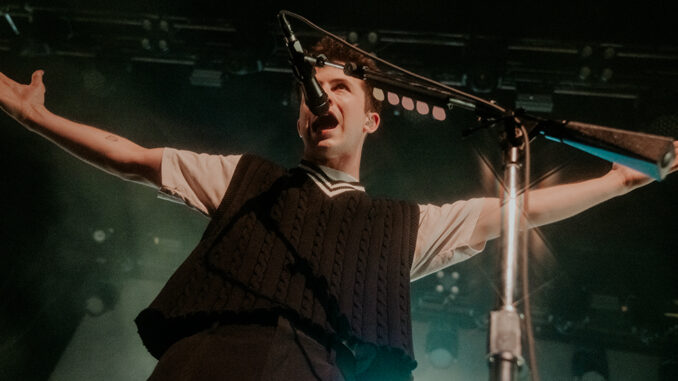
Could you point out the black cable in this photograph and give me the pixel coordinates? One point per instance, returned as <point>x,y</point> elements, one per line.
<point>524,266</point>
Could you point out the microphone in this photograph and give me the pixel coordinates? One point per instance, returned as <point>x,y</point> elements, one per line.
<point>303,67</point>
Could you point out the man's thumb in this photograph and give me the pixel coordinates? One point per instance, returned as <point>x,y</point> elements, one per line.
<point>37,76</point>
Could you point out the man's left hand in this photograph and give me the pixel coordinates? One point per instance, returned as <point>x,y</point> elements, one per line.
<point>632,179</point>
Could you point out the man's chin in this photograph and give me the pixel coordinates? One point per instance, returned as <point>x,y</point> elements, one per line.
<point>320,149</point>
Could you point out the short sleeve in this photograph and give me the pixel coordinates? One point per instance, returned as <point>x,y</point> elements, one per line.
<point>444,235</point>
<point>197,180</point>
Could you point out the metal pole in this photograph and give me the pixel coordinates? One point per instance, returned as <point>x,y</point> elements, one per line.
<point>510,226</point>
<point>505,346</point>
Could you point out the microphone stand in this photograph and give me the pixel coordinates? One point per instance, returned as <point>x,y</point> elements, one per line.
<point>505,351</point>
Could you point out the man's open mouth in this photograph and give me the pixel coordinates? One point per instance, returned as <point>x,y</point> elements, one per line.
<point>324,122</point>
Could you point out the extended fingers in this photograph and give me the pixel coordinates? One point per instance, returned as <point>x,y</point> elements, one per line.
<point>36,79</point>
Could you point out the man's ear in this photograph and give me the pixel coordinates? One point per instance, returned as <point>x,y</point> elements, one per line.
<point>299,127</point>
<point>372,121</point>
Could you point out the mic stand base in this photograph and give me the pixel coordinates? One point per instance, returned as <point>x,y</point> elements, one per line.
<point>505,347</point>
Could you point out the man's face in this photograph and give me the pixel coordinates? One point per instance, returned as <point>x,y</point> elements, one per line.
<point>339,135</point>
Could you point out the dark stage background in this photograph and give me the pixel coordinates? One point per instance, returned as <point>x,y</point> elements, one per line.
<point>83,252</point>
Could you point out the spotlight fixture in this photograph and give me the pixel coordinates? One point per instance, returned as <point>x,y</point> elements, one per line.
<point>442,345</point>
<point>101,298</point>
<point>590,365</point>
<point>447,283</point>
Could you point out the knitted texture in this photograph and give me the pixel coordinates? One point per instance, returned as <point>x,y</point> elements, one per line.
<point>337,266</point>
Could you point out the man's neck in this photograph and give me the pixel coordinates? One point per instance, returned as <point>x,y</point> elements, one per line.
<point>348,166</point>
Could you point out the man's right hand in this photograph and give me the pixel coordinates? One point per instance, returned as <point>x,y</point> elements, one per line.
<point>102,149</point>
<point>19,100</point>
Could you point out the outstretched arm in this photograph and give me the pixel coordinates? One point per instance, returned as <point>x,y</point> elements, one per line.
<point>563,201</point>
<point>102,149</point>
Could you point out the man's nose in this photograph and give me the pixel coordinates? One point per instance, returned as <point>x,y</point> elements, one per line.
<point>330,96</point>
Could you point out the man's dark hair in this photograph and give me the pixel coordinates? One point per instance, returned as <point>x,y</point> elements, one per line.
<point>336,51</point>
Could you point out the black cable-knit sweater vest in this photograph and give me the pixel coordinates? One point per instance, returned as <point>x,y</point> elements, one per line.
<point>337,267</point>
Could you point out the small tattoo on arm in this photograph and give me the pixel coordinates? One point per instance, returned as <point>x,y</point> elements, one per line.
<point>112,138</point>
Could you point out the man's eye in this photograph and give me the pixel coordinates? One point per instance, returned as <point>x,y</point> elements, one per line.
<point>340,86</point>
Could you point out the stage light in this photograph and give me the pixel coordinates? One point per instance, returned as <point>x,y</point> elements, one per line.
<point>408,103</point>
<point>484,80</point>
<point>372,38</point>
<point>586,51</point>
<point>146,43</point>
<point>102,298</point>
<point>94,306</point>
<point>422,108</point>
<point>378,94</point>
<point>147,24</point>
<point>606,75</point>
<point>590,365</point>
<point>439,113</point>
<point>99,236</point>
<point>447,283</point>
<point>393,98</point>
<point>352,37</point>
<point>163,25</point>
<point>584,73</point>
<point>442,345</point>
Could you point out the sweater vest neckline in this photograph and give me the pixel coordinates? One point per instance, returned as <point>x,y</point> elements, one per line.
<point>328,184</point>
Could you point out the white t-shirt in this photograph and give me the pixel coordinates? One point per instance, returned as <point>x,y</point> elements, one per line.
<point>200,181</point>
